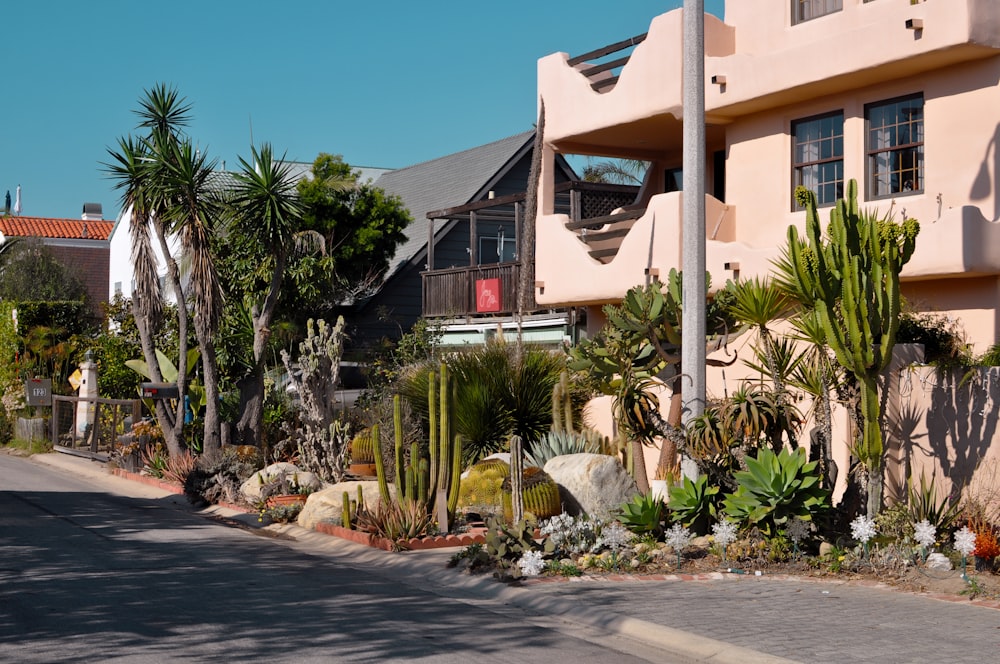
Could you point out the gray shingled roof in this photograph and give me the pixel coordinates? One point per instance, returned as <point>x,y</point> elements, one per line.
<point>446,182</point>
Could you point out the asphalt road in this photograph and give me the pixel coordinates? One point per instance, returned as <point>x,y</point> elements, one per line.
<point>88,575</point>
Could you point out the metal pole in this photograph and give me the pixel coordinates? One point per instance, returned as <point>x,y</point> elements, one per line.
<point>693,260</point>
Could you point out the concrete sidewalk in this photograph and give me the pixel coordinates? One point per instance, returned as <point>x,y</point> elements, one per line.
<point>730,619</point>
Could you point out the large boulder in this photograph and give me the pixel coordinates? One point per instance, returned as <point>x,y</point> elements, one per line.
<point>594,484</point>
<point>327,505</point>
<point>250,489</point>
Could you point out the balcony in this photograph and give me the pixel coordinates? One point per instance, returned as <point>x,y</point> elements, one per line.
<point>490,289</point>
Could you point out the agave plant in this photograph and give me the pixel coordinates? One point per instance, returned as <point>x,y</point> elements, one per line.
<point>693,504</point>
<point>776,488</point>
<point>643,515</point>
<point>559,443</point>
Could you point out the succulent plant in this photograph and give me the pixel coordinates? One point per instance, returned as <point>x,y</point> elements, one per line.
<point>540,492</point>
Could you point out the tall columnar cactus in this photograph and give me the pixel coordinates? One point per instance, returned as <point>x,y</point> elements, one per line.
<point>383,483</point>
<point>562,405</point>
<point>851,277</point>
<point>432,481</point>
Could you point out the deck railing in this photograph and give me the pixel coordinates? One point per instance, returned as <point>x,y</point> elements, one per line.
<point>453,292</point>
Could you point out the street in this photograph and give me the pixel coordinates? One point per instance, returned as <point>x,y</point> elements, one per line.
<point>87,575</point>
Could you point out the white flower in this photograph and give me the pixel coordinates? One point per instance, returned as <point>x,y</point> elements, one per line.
<point>531,563</point>
<point>863,529</point>
<point>797,529</point>
<point>615,536</point>
<point>965,541</point>
<point>924,533</point>
<point>724,532</point>
<point>678,537</point>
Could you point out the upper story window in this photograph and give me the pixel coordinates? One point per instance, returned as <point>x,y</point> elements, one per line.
<point>805,10</point>
<point>818,156</point>
<point>895,131</point>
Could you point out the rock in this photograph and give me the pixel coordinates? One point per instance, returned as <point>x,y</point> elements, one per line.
<point>702,542</point>
<point>825,549</point>
<point>594,484</point>
<point>250,489</point>
<point>938,561</point>
<point>327,505</point>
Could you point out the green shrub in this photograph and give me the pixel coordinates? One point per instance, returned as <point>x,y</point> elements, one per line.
<point>776,488</point>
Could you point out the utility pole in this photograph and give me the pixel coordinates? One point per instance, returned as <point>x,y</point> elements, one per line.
<point>693,254</point>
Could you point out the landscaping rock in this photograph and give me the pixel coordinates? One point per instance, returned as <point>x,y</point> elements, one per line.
<point>938,561</point>
<point>250,489</point>
<point>327,505</point>
<point>594,484</point>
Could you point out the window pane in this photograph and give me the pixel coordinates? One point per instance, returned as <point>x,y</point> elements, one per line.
<point>818,156</point>
<point>895,146</point>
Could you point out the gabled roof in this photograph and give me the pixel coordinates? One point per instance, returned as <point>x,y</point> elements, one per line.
<point>455,179</point>
<point>69,229</point>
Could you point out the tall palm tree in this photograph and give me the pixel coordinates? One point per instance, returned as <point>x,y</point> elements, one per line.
<point>133,170</point>
<point>266,213</point>
<point>193,212</point>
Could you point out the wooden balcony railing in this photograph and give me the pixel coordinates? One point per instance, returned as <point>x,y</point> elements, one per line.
<point>453,292</point>
<point>595,71</point>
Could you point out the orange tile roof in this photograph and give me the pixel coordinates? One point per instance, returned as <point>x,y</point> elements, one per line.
<point>55,228</point>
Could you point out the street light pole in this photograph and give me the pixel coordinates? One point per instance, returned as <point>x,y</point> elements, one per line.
<point>693,252</point>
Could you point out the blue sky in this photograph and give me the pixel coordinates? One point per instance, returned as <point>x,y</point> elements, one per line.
<point>385,84</point>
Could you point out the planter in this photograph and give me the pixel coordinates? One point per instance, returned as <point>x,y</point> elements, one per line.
<point>362,469</point>
<point>287,499</point>
<point>658,489</point>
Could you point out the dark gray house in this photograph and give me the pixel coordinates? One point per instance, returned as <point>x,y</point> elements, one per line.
<point>497,170</point>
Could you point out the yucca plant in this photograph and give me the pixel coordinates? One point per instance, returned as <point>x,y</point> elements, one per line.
<point>776,488</point>
<point>925,505</point>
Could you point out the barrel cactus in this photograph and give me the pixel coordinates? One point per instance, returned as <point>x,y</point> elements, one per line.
<point>541,494</point>
<point>481,488</point>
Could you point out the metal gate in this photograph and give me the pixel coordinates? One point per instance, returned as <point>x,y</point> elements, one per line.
<point>92,426</point>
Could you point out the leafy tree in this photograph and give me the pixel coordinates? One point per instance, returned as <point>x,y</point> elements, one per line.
<point>361,226</point>
<point>29,272</point>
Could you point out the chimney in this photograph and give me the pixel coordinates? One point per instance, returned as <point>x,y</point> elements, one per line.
<point>92,212</point>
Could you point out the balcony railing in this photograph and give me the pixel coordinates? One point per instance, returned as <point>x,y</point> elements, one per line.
<point>453,292</point>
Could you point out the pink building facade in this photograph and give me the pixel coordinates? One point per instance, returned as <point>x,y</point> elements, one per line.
<point>901,96</point>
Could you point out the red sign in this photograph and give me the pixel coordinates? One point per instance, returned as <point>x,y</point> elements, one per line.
<point>487,295</point>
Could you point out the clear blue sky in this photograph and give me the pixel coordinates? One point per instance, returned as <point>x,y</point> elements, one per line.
<point>386,84</point>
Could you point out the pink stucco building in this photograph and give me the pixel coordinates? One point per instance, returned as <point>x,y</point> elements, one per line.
<point>901,95</point>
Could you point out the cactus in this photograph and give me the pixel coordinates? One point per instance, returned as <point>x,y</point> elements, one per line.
<point>383,484</point>
<point>562,405</point>
<point>481,487</point>
<point>851,277</point>
<point>434,481</point>
<point>345,515</point>
<point>540,494</point>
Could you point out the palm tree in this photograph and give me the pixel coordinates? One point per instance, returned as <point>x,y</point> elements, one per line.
<point>133,171</point>
<point>267,213</point>
<point>192,212</point>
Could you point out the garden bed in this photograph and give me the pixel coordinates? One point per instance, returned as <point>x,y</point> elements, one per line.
<point>415,544</point>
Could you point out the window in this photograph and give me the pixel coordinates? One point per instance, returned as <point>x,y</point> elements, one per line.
<point>498,249</point>
<point>805,10</point>
<point>673,180</point>
<point>895,146</point>
<point>818,157</point>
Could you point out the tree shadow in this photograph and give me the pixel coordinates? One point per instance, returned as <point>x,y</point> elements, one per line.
<point>961,422</point>
<point>90,575</point>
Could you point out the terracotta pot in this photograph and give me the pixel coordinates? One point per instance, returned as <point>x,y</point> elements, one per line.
<point>288,499</point>
<point>362,469</point>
